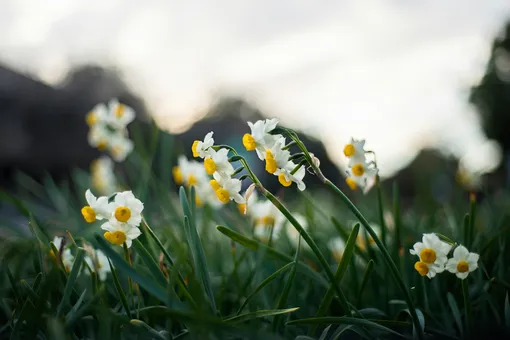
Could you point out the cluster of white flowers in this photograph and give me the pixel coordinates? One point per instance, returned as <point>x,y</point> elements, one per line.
<point>360,173</point>
<point>271,149</point>
<point>433,254</point>
<point>95,258</point>
<point>103,177</point>
<point>268,221</point>
<point>123,216</point>
<point>217,164</point>
<point>190,172</point>
<point>108,128</point>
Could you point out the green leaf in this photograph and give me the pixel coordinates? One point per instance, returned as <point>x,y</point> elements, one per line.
<point>264,283</point>
<point>84,308</point>
<point>151,331</point>
<point>366,276</point>
<point>343,320</point>
<point>76,305</point>
<point>118,288</point>
<point>455,311</point>
<point>197,251</point>
<point>149,285</point>
<point>71,280</point>
<point>149,262</point>
<point>56,329</point>
<point>258,314</point>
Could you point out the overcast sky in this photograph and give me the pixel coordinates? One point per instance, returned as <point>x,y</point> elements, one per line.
<point>396,72</point>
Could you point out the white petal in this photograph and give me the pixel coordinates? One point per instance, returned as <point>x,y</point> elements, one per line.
<point>91,199</point>
<point>451,265</point>
<point>473,258</point>
<point>133,233</point>
<point>462,276</point>
<point>472,266</point>
<point>301,185</point>
<point>129,242</point>
<point>460,253</point>
<point>445,247</point>
<point>108,226</point>
<point>430,240</point>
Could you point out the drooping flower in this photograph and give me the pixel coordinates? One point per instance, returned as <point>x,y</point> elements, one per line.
<point>118,233</point>
<point>463,262</point>
<point>260,138</point>
<point>97,208</point>
<point>217,161</point>
<point>432,253</point>
<point>98,262</point>
<point>227,188</point>
<point>286,177</point>
<point>103,177</point>
<point>120,147</point>
<point>126,208</point>
<point>119,115</point>
<point>337,247</point>
<point>200,148</point>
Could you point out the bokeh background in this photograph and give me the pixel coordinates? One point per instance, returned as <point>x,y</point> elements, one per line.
<point>427,83</point>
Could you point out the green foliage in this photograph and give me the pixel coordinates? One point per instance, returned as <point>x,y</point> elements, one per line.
<point>201,273</point>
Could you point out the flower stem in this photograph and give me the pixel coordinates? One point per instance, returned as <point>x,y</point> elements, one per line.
<point>128,260</point>
<point>467,307</point>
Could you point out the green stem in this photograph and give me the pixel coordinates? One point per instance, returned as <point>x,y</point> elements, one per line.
<point>313,246</point>
<point>467,307</point>
<point>386,256</point>
<point>128,260</point>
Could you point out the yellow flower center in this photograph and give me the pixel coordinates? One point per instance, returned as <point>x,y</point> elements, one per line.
<point>194,148</point>
<point>117,237</point>
<point>266,220</point>
<point>101,146</point>
<point>351,183</point>
<point>177,174</point>
<point>421,268</point>
<point>116,150</point>
<point>249,142</point>
<point>358,170</point>
<point>270,162</point>
<point>119,112</point>
<point>241,208</point>
<point>223,195</point>
<point>215,185</point>
<point>192,180</point>
<point>349,150</point>
<point>428,255</point>
<point>283,181</point>
<point>88,214</point>
<point>209,165</point>
<point>122,214</point>
<point>462,266</point>
<point>91,118</point>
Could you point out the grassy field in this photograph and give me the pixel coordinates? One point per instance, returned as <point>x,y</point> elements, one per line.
<point>311,266</point>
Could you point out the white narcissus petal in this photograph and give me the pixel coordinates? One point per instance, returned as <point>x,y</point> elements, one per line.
<point>460,253</point>
<point>462,276</point>
<point>91,199</point>
<point>451,265</point>
<point>473,258</point>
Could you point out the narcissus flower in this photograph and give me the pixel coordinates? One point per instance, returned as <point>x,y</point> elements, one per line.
<point>276,157</point>
<point>251,198</point>
<point>119,115</point>
<point>285,176</point>
<point>260,138</point>
<point>217,161</point>
<point>337,247</point>
<point>118,233</point>
<point>102,175</point>
<point>227,188</point>
<point>99,137</point>
<point>361,175</point>
<point>432,253</point>
<point>97,208</point>
<point>120,147</point>
<point>126,208</point>
<point>463,262</point>
<point>200,148</point>
<point>355,151</point>
<point>97,116</point>
<point>98,262</point>
<point>67,259</point>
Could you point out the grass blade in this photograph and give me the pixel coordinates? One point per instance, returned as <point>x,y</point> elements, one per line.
<point>258,314</point>
<point>149,262</point>
<point>71,280</point>
<point>120,291</point>
<point>456,312</point>
<point>364,281</point>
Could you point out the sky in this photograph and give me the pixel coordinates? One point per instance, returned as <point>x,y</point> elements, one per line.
<point>394,72</point>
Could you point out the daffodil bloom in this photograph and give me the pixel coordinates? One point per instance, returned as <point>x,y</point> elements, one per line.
<point>120,147</point>
<point>126,208</point>
<point>98,262</point>
<point>285,176</point>
<point>267,219</point>
<point>276,157</point>
<point>260,138</point>
<point>227,188</point>
<point>337,247</point>
<point>463,262</point>
<point>103,177</point>
<point>361,176</point>
<point>67,259</point>
<point>250,200</point>
<point>119,233</point>
<point>432,253</point>
<point>97,116</point>
<point>355,151</point>
<point>217,161</point>
<point>97,208</point>
<point>200,148</point>
<point>99,137</point>
<point>119,115</point>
